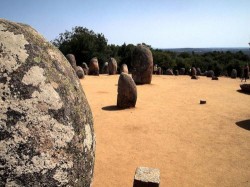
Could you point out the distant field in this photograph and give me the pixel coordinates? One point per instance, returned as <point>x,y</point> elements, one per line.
<point>245,50</point>
<point>191,144</point>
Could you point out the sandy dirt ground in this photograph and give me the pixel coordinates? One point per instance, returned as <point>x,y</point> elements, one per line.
<point>191,144</point>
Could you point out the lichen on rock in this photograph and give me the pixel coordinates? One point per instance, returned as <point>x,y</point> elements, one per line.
<point>46,124</point>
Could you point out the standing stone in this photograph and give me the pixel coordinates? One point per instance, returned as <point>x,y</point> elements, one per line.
<point>182,71</point>
<point>147,177</point>
<point>94,67</point>
<point>105,68</point>
<point>210,73</point>
<point>112,66</point>
<point>79,72</point>
<point>127,92</point>
<point>234,74</point>
<point>85,68</point>
<point>155,69</point>
<point>124,68</point>
<point>193,71</point>
<point>198,71</point>
<point>159,71</point>
<point>169,72</point>
<point>142,64</point>
<point>72,60</point>
<point>46,124</point>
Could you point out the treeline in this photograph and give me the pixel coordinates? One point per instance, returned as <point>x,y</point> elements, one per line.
<point>86,44</point>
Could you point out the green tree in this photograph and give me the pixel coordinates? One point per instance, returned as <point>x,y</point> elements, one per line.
<point>84,44</point>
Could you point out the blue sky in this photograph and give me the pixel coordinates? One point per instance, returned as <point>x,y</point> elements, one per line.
<point>159,23</point>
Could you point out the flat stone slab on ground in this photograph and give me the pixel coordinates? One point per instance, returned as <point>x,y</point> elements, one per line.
<point>147,177</point>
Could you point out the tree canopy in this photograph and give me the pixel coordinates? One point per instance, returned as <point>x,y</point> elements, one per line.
<point>86,44</point>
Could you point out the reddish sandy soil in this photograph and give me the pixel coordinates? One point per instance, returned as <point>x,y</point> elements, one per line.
<point>191,144</point>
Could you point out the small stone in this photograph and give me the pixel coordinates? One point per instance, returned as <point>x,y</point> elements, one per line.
<point>147,177</point>
<point>203,102</point>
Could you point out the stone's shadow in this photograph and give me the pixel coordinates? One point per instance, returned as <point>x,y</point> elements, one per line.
<point>245,124</point>
<point>111,108</point>
<point>240,91</point>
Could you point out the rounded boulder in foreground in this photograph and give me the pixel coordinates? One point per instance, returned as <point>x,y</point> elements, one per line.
<point>47,135</point>
<point>127,92</point>
<point>142,65</point>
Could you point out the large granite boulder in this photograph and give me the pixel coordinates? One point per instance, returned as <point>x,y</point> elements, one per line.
<point>94,67</point>
<point>124,68</point>
<point>127,92</point>
<point>142,65</point>
<point>112,66</point>
<point>46,124</point>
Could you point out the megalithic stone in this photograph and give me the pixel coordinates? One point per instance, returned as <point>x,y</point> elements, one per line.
<point>146,177</point>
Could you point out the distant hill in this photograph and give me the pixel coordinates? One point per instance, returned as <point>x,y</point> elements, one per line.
<point>245,50</point>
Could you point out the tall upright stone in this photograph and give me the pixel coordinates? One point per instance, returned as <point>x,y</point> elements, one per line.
<point>105,68</point>
<point>112,66</point>
<point>46,124</point>
<point>124,68</point>
<point>72,60</point>
<point>127,91</point>
<point>142,65</point>
<point>94,67</point>
<point>85,68</point>
<point>234,74</point>
<point>79,72</point>
<point>198,71</point>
